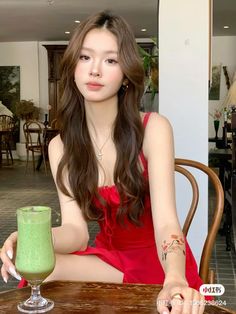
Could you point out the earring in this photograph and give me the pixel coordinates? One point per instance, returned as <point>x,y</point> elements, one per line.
<point>125,84</point>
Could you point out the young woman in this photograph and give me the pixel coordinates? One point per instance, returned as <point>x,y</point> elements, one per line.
<point>114,164</point>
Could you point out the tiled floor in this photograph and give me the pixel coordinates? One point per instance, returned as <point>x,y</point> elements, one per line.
<point>19,188</point>
<point>223,263</point>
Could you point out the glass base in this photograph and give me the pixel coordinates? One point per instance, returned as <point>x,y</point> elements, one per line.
<point>40,306</point>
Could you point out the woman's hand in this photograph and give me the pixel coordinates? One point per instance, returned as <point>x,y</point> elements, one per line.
<point>7,257</point>
<point>176,298</point>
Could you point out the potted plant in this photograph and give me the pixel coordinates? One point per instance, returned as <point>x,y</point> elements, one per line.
<point>26,110</point>
<point>216,118</point>
<point>150,64</point>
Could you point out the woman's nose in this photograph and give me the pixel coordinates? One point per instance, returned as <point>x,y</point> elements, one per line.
<point>95,70</point>
<point>94,73</point>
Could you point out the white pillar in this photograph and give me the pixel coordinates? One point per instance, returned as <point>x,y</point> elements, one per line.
<point>183,98</point>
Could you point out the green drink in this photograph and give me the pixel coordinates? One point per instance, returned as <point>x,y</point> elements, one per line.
<point>35,258</point>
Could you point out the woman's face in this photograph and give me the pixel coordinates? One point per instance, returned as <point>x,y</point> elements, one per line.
<point>98,74</point>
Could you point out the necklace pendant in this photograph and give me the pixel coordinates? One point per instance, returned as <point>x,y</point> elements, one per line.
<point>99,155</point>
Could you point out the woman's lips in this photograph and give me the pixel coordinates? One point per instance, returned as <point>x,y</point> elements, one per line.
<point>94,86</point>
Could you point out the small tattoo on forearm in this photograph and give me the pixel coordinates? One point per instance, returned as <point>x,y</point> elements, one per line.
<point>175,244</point>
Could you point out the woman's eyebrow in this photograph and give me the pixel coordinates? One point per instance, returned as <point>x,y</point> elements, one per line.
<point>105,51</point>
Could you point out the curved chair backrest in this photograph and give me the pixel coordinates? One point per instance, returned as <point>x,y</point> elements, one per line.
<point>6,122</point>
<point>33,133</point>
<point>205,273</point>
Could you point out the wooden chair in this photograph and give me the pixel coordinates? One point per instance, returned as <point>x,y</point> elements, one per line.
<point>229,188</point>
<point>34,136</point>
<point>205,272</point>
<point>233,146</point>
<point>7,124</point>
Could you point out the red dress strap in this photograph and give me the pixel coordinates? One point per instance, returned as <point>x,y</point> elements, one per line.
<point>145,121</point>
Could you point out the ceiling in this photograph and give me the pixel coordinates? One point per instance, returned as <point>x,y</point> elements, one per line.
<point>224,13</point>
<point>47,20</point>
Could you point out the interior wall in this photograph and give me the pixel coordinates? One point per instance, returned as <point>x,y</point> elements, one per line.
<point>25,55</point>
<point>183,96</point>
<point>33,61</point>
<point>223,53</point>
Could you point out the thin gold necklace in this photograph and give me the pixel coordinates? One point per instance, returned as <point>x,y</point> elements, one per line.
<point>99,154</point>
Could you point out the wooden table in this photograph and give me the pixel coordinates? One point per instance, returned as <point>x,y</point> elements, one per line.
<point>219,139</point>
<point>222,153</point>
<point>91,298</point>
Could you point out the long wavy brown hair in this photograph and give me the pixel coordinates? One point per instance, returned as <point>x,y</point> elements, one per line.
<point>79,157</point>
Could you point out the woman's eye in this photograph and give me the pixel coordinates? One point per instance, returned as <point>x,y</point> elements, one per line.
<point>111,61</point>
<point>84,57</point>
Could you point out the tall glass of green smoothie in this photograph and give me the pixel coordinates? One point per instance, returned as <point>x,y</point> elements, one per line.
<point>35,258</point>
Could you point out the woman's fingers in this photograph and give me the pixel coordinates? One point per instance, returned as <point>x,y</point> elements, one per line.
<point>202,305</point>
<point>181,300</point>
<point>192,302</point>
<point>163,304</point>
<point>7,254</point>
<point>10,253</point>
<point>8,267</point>
<point>6,271</point>
<point>8,247</point>
<point>4,274</point>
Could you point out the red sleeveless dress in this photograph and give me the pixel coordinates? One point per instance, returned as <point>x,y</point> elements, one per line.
<point>129,248</point>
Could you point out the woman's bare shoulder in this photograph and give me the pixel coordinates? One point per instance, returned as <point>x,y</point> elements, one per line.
<point>158,132</point>
<point>56,143</point>
<point>155,120</point>
<point>56,147</point>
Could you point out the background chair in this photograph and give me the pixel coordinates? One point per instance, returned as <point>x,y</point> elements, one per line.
<point>33,136</point>
<point>205,272</point>
<point>7,126</point>
<point>48,134</point>
<point>233,130</point>
<point>229,189</point>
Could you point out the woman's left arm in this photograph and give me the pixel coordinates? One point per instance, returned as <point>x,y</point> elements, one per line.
<point>158,149</point>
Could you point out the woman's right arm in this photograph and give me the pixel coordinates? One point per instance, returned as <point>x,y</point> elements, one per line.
<point>73,233</point>
<point>71,236</point>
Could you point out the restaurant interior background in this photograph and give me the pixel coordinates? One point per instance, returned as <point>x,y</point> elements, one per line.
<point>25,26</point>
<point>223,54</point>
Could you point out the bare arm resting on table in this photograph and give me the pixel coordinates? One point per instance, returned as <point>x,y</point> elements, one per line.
<point>73,234</point>
<point>158,149</point>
